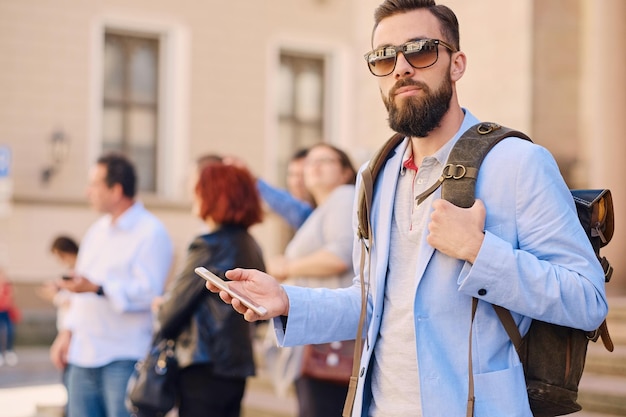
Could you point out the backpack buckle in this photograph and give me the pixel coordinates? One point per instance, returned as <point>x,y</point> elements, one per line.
<point>486,128</point>
<point>593,335</point>
<point>455,172</point>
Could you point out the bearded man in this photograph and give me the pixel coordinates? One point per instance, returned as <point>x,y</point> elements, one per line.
<point>519,246</point>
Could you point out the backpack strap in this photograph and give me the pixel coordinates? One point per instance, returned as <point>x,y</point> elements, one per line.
<point>368,177</point>
<point>358,340</point>
<point>458,178</point>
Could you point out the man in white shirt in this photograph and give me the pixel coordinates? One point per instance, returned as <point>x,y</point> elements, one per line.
<point>123,263</point>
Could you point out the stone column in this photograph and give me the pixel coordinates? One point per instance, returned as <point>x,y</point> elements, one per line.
<point>603,116</point>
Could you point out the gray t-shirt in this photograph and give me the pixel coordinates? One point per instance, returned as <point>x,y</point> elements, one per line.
<point>328,227</point>
<point>395,375</point>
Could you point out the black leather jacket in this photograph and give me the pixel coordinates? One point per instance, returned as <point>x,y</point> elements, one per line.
<point>206,329</point>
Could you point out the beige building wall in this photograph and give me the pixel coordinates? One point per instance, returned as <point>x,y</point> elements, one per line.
<point>221,71</point>
<point>602,122</point>
<point>579,98</point>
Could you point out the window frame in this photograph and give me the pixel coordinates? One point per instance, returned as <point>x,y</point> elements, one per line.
<point>298,125</point>
<point>125,104</point>
<point>173,93</point>
<point>337,94</point>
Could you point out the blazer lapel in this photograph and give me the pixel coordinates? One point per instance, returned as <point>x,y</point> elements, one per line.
<point>382,213</point>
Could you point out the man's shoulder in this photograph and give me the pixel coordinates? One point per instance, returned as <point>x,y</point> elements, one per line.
<point>514,150</point>
<point>151,220</point>
<point>143,221</point>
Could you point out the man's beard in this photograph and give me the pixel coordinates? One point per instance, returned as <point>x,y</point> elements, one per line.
<point>418,116</point>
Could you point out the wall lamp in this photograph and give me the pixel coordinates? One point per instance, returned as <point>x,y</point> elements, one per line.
<point>59,146</point>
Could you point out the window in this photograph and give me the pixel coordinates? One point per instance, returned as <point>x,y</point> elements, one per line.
<point>300,103</point>
<point>130,106</point>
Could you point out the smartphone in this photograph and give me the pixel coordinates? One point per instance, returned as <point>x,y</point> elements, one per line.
<point>223,285</point>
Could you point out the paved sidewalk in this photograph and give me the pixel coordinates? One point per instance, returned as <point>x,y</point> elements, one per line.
<point>33,387</point>
<point>32,401</point>
<point>33,382</point>
<point>33,368</point>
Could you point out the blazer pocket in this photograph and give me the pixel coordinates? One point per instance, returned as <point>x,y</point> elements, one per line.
<point>501,393</point>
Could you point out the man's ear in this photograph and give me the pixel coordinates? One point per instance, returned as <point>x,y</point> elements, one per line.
<point>457,65</point>
<point>117,190</point>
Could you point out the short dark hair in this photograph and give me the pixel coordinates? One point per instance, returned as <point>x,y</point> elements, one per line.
<point>299,154</point>
<point>64,244</point>
<point>120,171</point>
<point>446,17</point>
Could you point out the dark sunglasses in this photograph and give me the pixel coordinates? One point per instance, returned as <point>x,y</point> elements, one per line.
<point>419,53</point>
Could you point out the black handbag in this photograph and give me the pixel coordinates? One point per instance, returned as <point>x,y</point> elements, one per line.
<point>151,389</point>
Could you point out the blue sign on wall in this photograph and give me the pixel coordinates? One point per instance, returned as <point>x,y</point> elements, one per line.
<point>5,161</point>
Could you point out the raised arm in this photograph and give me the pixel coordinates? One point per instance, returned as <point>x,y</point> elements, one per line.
<point>294,211</point>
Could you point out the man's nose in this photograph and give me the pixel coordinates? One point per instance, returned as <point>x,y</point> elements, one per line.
<point>403,68</point>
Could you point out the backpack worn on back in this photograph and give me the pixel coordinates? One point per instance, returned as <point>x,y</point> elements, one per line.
<point>553,356</point>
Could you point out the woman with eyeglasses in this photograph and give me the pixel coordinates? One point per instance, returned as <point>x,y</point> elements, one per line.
<point>319,255</point>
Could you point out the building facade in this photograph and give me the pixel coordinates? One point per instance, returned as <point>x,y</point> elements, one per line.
<point>168,81</point>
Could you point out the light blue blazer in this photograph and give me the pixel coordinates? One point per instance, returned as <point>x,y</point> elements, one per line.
<point>535,261</point>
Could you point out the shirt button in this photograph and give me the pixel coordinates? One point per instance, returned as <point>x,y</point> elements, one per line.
<point>362,372</point>
<point>482,291</point>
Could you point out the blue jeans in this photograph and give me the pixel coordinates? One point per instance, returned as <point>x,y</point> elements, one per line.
<point>6,332</point>
<point>98,392</point>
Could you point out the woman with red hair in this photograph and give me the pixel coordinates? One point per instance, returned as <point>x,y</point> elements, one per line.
<point>213,342</point>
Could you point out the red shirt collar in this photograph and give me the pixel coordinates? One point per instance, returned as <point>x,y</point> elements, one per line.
<point>410,163</point>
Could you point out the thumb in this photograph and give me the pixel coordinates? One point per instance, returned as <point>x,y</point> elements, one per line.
<point>478,205</point>
<point>479,210</point>
<point>237,274</point>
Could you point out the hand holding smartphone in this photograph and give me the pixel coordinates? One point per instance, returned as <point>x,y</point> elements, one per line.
<point>223,285</point>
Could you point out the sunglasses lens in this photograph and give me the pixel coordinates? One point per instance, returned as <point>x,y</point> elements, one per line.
<point>381,65</point>
<point>420,54</point>
<point>424,57</point>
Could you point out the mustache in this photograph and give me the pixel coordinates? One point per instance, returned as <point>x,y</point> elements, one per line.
<point>405,83</point>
